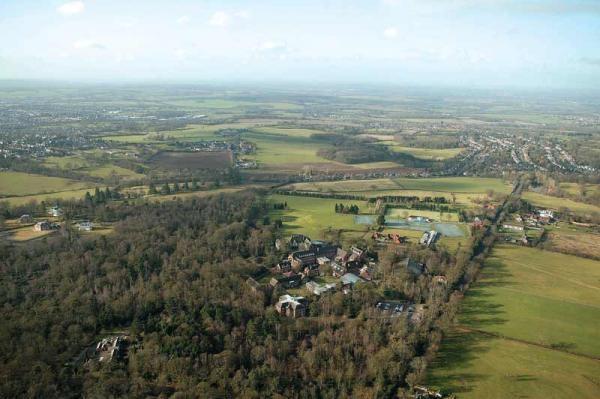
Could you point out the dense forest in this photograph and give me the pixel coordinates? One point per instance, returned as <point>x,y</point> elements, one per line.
<point>173,276</point>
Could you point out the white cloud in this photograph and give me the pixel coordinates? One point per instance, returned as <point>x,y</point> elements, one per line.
<point>87,44</point>
<point>183,20</point>
<point>71,8</point>
<point>242,14</point>
<point>391,32</point>
<point>272,49</point>
<point>220,18</point>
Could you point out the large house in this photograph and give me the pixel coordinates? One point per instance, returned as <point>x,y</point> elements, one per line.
<point>323,249</point>
<point>284,266</point>
<point>288,280</point>
<point>301,259</point>
<point>85,226</point>
<point>319,289</point>
<point>55,211</point>
<point>43,226</point>
<point>291,306</point>
<point>429,237</point>
<point>414,267</point>
<point>25,219</point>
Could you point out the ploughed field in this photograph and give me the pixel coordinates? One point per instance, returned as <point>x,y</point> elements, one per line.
<point>192,160</point>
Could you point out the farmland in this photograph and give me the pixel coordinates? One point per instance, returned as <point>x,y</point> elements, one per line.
<point>539,305</point>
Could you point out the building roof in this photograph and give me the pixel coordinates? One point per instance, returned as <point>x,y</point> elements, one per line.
<point>350,278</point>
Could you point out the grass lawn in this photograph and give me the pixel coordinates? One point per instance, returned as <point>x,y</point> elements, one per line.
<point>17,183</point>
<point>311,216</point>
<point>540,305</point>
<point>547,201</point>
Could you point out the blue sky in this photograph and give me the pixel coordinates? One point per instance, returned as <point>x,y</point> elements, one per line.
<point>521,43</point>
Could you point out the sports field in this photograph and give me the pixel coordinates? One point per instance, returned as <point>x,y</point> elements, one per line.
<point>531,319</point>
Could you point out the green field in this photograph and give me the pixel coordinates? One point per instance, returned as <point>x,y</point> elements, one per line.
<point>556,203</point>
<point>311,216</point>
<point>436,184</point>
<point>475,366</point>
<point>543,306</point>
<point>18,184</point>
<point>424,153</point>
<point>279,151</point>
<point>108,170</point>
<point>61,195</point>
<point>466,190</point>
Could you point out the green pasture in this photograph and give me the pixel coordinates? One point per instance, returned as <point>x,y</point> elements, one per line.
<point>311,216</point>
<point>544,311</point>
<point>60,195</point>
<point>17,184</point>
<point>280,151</point>
<point>475,366</point>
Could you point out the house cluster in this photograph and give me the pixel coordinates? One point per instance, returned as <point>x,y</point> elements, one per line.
<point>531,220</point>
<point>426,393</point>
<point>393,238</point>
<point>429,237</point>
<point>55,211</point>
<point>313,258</point>
<point>239,147</point>
<point>242,163</point>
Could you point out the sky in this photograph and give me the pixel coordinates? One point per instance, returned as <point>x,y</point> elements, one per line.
<point>478,43</point>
